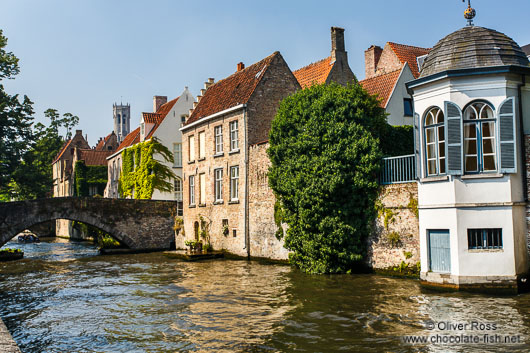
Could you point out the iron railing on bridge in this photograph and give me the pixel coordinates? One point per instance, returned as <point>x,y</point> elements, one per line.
<point>396,170</point>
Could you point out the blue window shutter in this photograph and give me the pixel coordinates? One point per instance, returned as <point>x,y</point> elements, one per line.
<point>453,138</point>
<point>507,136</point>
<point>417,145</point>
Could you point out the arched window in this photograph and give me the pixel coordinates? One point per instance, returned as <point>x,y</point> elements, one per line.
<point>479,138</point>
<point>435,141</point>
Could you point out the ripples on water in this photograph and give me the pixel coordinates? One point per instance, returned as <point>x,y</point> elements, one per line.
<point>64,298</point>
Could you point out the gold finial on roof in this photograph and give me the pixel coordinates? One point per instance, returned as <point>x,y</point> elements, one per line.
<point>470,13</point>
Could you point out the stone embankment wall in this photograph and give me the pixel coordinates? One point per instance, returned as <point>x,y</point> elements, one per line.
<point>396,235</point>
<point>262,227</point>
<point>7,344</point>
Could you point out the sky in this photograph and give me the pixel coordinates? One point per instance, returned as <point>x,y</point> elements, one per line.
<point>81,56</point>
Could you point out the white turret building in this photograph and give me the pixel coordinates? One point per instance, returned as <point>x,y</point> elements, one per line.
<point>472,120</point>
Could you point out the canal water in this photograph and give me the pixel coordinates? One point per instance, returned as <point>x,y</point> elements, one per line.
<point>64,297</point>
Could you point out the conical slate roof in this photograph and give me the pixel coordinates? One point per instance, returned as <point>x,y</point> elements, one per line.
<point>473,47</point>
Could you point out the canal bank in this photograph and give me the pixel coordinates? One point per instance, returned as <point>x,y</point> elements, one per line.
<point>7,343</point>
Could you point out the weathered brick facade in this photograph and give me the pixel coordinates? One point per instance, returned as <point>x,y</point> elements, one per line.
<point>396,235</point>
<point>262,228</point>
<point>254,118</point>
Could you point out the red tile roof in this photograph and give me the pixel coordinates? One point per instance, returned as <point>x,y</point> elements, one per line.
<point>382,85</point>
<point>151,118</point>
<point>161,114</point>
<point>315,73</point>
<point>408,53</point>
<point>131,139</point>
<point>101,143</point>
<point>61,151</point>
<point>234,90</point>
<point>93,157</point>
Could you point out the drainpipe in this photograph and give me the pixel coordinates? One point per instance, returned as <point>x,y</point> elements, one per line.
<point>247,235</point>
<point>522,137</point>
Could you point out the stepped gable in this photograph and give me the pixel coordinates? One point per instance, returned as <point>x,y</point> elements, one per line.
<point>234,90</point>
<point>473,47</point>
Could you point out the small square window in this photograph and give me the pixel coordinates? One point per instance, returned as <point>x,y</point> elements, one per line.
<point>234,233</point>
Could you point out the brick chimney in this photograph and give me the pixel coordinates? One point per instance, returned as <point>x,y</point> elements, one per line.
<point>371,59</point>
<point>337,44</point>
<point>240,66</point>
<point>158,101</point>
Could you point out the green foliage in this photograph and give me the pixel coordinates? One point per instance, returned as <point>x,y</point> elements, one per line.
<point>397,140</point>
<point>178,224</point>
<point>325,155</point>
<point>407,254</point>
<point>9,250</point>
<point>394,238</point>
<point>86,176</point>
<point>207,247</point>
<point>226,230</point>
<point>26,150</point>
<point>278,219</point>
<point>103,239</point>
<point>386,213</point>
<point>413,205</point>
<point>142,174</point>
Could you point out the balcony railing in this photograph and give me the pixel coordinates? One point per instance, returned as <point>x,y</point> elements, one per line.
<point>396,170</point>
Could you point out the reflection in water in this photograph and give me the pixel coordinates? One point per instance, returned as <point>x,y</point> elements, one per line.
<point>63,298</point>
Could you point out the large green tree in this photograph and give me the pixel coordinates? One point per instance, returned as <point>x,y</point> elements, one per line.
<point>15,119</point>
<point>26,149</point>
<point>325,156</point>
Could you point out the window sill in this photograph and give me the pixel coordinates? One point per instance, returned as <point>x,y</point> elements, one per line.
<point>191,162</point>
<point>191,206</point>
<point>484,250</point>
<point>201,159</point>
<point>234,151</point>
<point>434,179</point>
<point>219,202</point>
<point>202,205</point>
<point>217,155</point>
<point>482,176</point>
<point>233,202</point>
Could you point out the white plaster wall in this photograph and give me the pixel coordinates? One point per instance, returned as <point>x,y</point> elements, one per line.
<point>455,203</point>
<point>168,133</point>
<point>395,106</point>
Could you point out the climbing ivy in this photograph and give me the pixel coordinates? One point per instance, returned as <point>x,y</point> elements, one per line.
<point>86,176</point>
<point>142,174</point>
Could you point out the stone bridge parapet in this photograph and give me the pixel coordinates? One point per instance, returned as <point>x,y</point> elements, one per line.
<point>138,224</point>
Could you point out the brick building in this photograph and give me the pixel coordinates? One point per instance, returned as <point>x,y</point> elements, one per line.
<point>387,70</point>
<point>227,199</point>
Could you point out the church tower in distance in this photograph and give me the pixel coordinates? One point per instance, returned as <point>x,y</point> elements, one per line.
<point>122,120</point>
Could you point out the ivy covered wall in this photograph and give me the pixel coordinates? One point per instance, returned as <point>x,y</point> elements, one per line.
<point>87,176</point>
<point>141,173</point>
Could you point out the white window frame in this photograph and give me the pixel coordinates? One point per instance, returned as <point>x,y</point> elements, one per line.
<point>218,184</point>
<point>192,190</point>
<point>191,148</point>
<point>202,143</point>
<point>234,183</point>
<point>479,138</point>
<point>438,143</point>
<point>218,131</point>
<point>202,189</point>
<point>234,135</point>
<point>177,155</point>
<point>177,184</point>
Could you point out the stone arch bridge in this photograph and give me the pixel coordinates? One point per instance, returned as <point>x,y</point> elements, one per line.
<point>138,224</point>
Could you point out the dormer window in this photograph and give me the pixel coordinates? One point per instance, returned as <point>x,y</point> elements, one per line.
<point>479,139</point>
